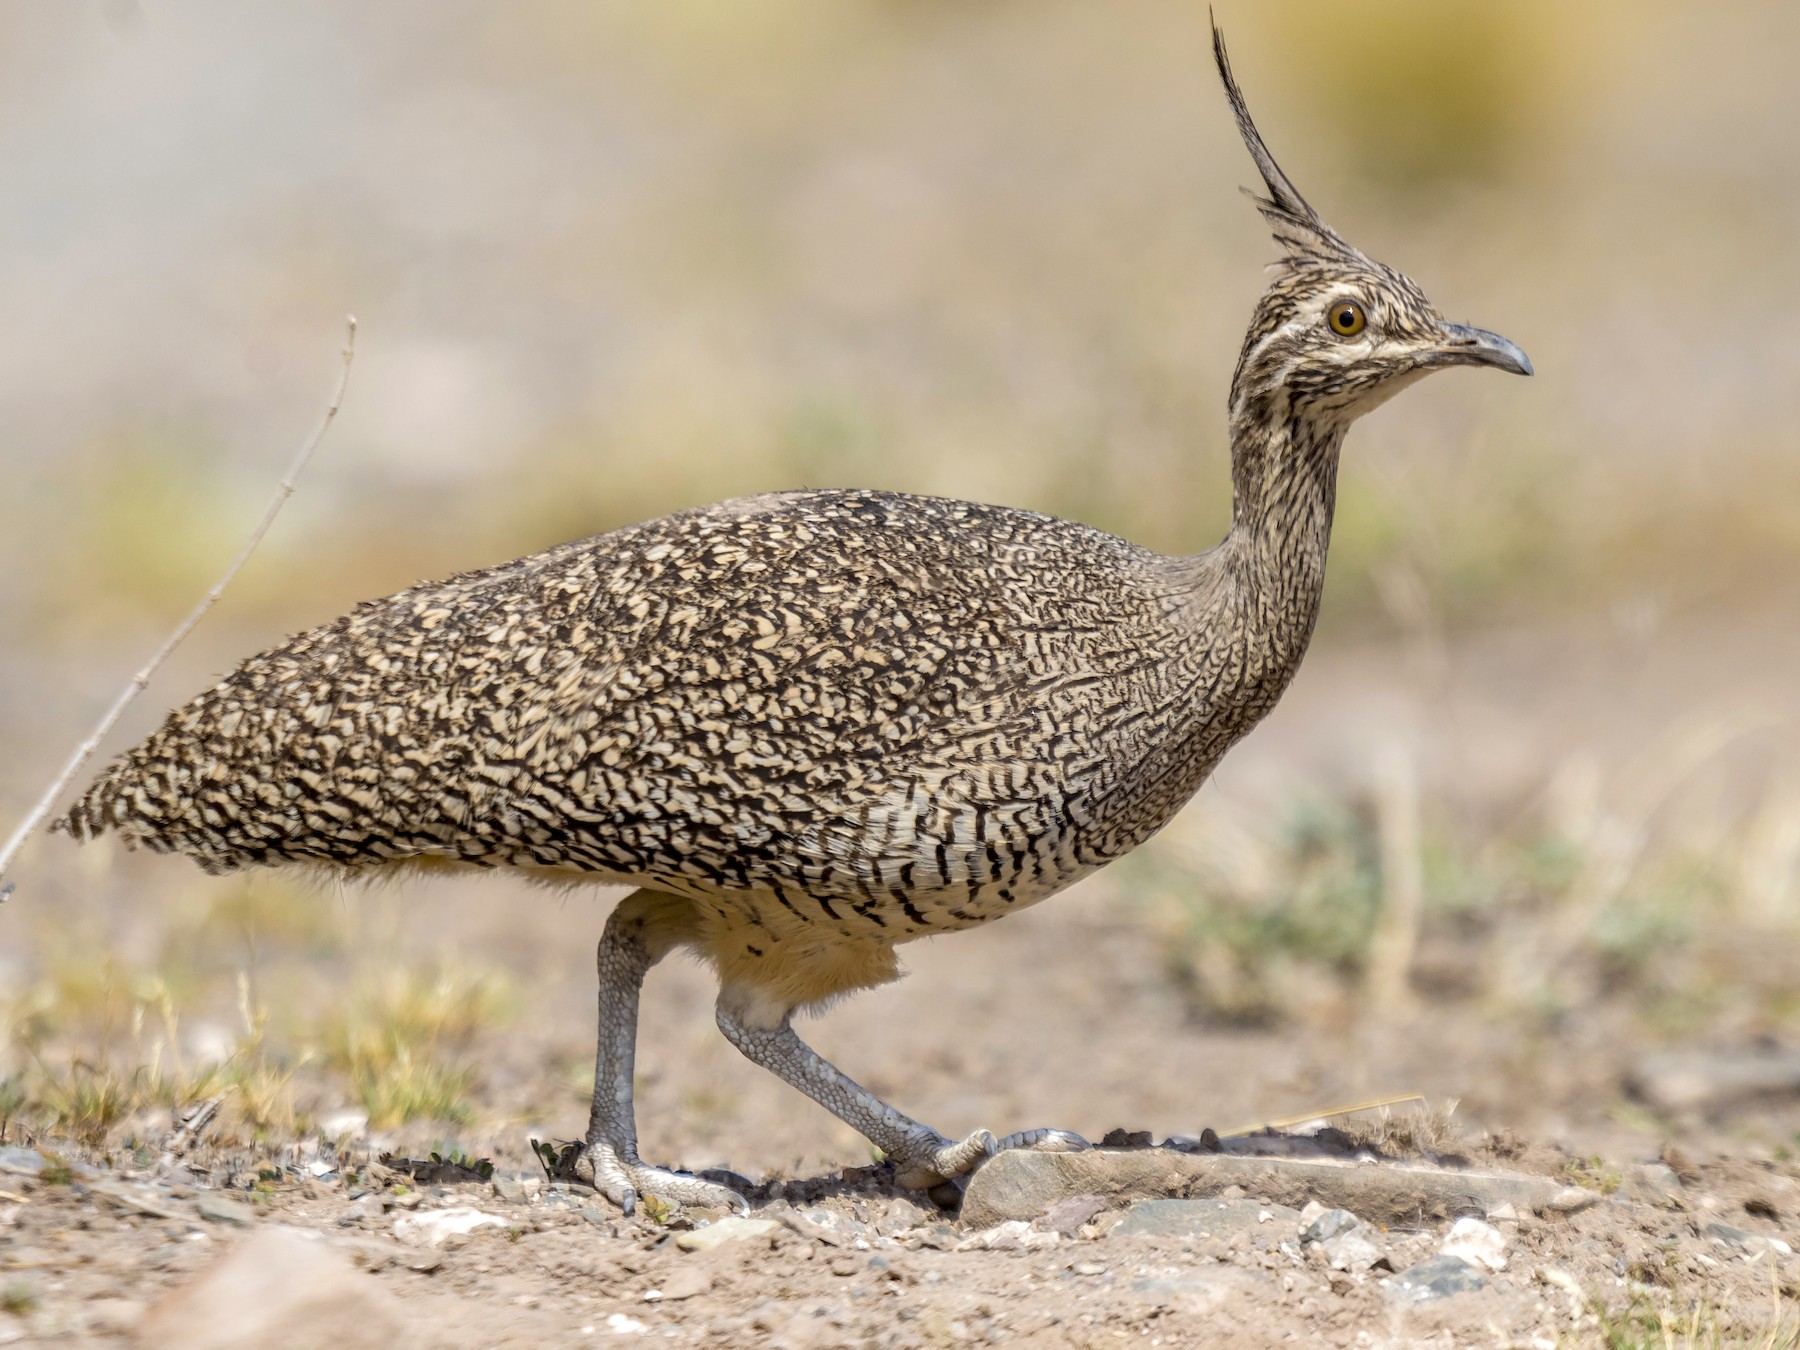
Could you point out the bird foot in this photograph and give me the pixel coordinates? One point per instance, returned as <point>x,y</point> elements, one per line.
<point>932,1159</point>
<point>623,1180</point>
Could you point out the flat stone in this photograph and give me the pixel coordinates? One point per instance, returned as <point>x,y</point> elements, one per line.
<point>1317,1223</point>
<point>729,1229</point>
<point>220,1209</point>
<point>1022,1185</point>
<point>1440,1277</point>
<point>1265,1225</point>
<point>271,1284</point>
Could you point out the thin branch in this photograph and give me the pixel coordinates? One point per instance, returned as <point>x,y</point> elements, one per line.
<point>85,750</point>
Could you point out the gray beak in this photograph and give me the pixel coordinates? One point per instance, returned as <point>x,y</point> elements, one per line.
<point>1466,346</point>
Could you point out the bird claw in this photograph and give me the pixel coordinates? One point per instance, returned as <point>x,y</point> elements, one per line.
<point>1043,1141</point>
<point>934,1159</point>
<point>623,1180</point>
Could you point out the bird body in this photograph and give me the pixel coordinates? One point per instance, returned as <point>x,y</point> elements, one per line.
<point>809,726</point>
<point>877,714</point>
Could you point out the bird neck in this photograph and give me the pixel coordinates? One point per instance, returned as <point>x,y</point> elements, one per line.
<point>1284,487</point>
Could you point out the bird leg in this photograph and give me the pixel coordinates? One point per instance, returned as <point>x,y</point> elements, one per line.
<point>921,1156</point>
<point>640,932</point>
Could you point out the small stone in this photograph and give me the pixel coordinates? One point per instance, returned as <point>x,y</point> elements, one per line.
<point>729,1229</point>
<point>509,1189</point>
<point>221,1210</point>
<point>1067,1216</point>
<point>1503,1214</point>
<point>900,1216</point>
<point>1478,1243</point>
<point>1004,1237</point>
<point>845,1265</point>
<point>598,1217</point>
<point>1656,1184</point>
<point>939,1237</point>
<point>1318,1223</point>
<point>1352,1251</point>
<point>1087,1268</point>
<point>425,1262</point>
<point>1572,1200</point>
<point>1440,1277</point>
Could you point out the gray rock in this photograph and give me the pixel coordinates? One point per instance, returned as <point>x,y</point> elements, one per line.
<point>509,1189</point>
<point>1067,1216</point>
<point>1318,1223</point>
<point>1264,1225</point>
<point>1352,1250</point>
<point>1021,1185</point>
<point>1656,1184</point>
<point>1440,1277</point>
<point>221,1210</point>
<point>22,1162</point>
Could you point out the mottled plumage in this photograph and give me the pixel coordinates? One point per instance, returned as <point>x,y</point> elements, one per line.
<point>809,725</point>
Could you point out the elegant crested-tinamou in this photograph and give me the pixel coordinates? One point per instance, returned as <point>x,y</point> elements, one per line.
<point>809,726</point>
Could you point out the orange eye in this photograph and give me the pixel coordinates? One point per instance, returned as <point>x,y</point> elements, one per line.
<point>1346,318</point>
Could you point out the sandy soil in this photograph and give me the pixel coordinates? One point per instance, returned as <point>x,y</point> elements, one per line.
<point>1062,1016</point>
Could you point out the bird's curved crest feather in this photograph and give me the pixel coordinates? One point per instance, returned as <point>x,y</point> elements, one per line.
<point>1295,225</point>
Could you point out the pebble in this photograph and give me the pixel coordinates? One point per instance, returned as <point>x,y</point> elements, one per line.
<point>1478,1243</point>
<point>1318,1223</point>
<point>1067,1216</point>
<point>1352,1251</point>
<point>729,1229</point>
<point>219,1209</point>
<point>1440,1277</point>
<point>1572,1200</point>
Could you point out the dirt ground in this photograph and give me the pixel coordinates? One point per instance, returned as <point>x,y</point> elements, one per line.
<point>1066,1015</point>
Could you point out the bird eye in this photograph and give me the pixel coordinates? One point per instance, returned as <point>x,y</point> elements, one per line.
<point>1346,318</point>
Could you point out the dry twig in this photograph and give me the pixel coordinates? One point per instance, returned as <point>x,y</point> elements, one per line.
<point>85,750</point>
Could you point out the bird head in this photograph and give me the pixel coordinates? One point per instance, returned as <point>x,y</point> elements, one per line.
<point>1336,333</point>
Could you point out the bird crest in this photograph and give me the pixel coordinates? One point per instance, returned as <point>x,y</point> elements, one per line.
<point>1296,226</point>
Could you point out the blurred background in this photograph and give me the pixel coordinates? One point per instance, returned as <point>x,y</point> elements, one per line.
<point>1525,833</point>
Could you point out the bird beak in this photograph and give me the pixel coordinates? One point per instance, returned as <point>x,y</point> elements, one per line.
<point>1466,346</point>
